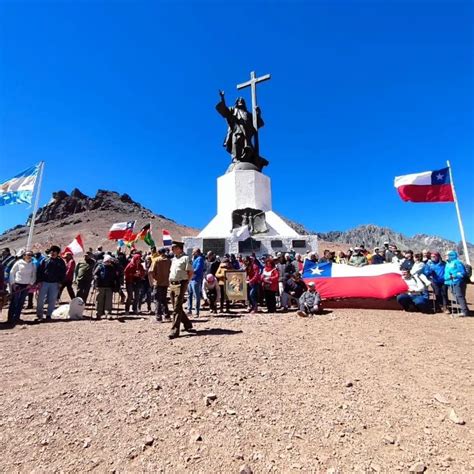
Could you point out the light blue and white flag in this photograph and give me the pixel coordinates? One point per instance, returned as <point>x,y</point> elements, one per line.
<point>19,189</point>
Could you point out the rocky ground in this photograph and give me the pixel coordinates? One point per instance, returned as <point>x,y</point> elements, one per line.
<point>352,390</point>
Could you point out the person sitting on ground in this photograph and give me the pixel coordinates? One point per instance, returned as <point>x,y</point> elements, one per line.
<point>455,279</point>
<point>434,271</point>
<point>106,282</point>
<point>212,291</point>
<point>22,277</point>
<point>294,288</point>
<point>417,297</point>
<point>358,259</point>
<point>408,261</point>
<point>310,302</point>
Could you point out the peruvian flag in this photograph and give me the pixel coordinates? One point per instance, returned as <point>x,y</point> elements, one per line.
<point>121,230</point>
<point>429,186</point>
<point>167,240</point>
<point>337,280</point>
<point>75,247</point>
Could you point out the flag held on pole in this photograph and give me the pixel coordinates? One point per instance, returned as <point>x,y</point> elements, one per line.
<point>167,240</point>
<point>75,247</point>
<point>19,189</point>
<point>428,186</point>
<point>121,230</point>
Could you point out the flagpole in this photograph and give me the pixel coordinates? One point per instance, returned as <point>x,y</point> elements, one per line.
<point>461,226</point>
<point>35,208</point>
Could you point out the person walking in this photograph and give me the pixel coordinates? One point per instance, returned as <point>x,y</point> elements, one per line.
<point>310,301</point>
<point>22,277</point>
<point>181,272</point>
<point>51,274</point>
<point>160,273</point>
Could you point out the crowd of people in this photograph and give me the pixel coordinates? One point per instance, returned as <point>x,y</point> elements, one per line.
<point>155,278</point>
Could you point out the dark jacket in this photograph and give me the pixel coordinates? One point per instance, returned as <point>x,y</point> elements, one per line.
<point>298,287</point>
<point>52,270</point>
<point>106,276</point>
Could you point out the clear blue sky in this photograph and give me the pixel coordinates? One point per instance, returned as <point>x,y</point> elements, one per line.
<point>121,96</point>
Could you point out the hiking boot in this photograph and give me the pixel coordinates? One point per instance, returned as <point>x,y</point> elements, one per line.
<point>301,314</point>
<point>173,335</point>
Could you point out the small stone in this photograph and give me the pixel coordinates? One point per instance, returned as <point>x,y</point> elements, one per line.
<point>245,469</point>
<point>87,443</point>
<point>145,415</point>
<point>349,383</point>
<point>156,386</point>
<point>441,399</point>
<point>149,440</point>
<point>132,454</point>
<point>196,437</point>
<point>418,467</point>
<point>231,412</point>
<point>388,440</point>
<point>211,396</point>
<point>44,442</point>
<point>453,416</point>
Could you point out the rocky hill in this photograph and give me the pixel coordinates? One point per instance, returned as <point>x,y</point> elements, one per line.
<point>67,215</point>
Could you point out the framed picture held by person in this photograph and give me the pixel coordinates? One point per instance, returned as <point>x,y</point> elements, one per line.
<point>236,285</point>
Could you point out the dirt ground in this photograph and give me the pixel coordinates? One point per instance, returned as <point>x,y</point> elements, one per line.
<point>349,391</point>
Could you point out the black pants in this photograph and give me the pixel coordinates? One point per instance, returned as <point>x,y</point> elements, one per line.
<point>179,316</point>
<point>161,302</point>
<point>441,294</point>
<point>224,299</point>
<point>212,297</point>
<point>83,289</point>
<point>68,286</point>
<point>270,300</point>
<point>133,296</point>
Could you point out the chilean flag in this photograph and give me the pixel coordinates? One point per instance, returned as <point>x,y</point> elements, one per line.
<point>167,240</point>
<point>429,186</point>
<point>337,280</point>
<point>121,230</point>
<point>75,247</point>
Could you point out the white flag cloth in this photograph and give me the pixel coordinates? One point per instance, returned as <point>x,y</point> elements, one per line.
<point>75,247</point>
<point>19,189</point>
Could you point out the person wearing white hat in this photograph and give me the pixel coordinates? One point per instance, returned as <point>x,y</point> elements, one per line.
<point>310,302</point>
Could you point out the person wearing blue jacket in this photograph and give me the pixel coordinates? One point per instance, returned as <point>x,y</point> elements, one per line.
<point>434,270</point>
<point>455,279</point>
<point>195,285</point>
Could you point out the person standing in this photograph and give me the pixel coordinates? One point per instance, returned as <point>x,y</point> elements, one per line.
<point>134,273</point>
<point>22,277</point>
<point>455,279</point>
<point>253,281</point>
<point>195,285</point>
<point>107,281</point>
<point>160,275</point>
<point>51,274</point>
<point>181,272</point>
<point>220,275</point>
<point>434,270</point>
<point>270,277</point>
<point>84,276</point>
<point>69,277</point>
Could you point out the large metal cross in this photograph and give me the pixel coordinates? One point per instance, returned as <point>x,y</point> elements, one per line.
<point>254,80</point>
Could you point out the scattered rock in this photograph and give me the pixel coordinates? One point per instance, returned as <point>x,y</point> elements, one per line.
<point>149,440</point>
<point>418,467</point>
<point>231,412</point>
<point>388,440</point>
<point>441,399</point>
<point>211,396</point>
<point>87,443</point>
<point>245,469</point>
<point>453,416</point>
<point>349,383</point>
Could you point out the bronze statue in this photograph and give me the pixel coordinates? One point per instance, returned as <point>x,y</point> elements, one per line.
<point>240,132</point>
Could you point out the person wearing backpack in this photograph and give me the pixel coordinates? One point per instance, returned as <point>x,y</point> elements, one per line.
<point>455,279</point>
<point>106,281</point>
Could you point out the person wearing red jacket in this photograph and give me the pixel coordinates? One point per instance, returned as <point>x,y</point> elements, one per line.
<point>270,278</point>
<point>134,274</point>
<point>253,280</point>
<point>69,278</point>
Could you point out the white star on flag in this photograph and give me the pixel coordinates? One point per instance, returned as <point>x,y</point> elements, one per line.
<point>316,271</point>
<point>439,176</point>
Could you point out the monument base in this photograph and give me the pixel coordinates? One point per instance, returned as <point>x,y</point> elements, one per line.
<point>245,222</point>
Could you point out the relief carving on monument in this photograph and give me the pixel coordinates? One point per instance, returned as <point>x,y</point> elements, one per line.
<point>254,219</point>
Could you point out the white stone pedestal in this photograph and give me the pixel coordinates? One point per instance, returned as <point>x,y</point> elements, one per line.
<point>242,189</point>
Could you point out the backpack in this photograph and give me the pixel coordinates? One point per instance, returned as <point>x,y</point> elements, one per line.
<point>468,275</point>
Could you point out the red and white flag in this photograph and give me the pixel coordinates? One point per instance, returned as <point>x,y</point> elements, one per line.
<point>337,280</point>
<point>428,186</point>
<point>167,240</point>
<point>75,247</point>
<point>121,230</point>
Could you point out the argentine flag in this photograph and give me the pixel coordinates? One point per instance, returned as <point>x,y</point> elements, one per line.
<point>19,189</point>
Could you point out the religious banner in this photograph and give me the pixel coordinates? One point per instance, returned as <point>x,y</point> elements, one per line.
<point>236,285</point>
